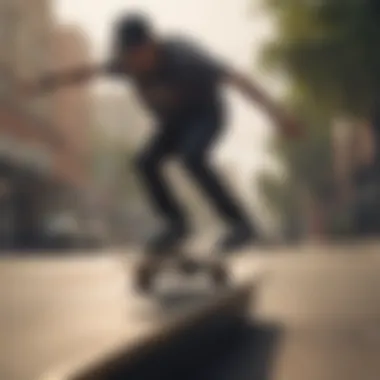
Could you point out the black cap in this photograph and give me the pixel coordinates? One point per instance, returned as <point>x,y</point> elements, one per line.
<point>132,30</point>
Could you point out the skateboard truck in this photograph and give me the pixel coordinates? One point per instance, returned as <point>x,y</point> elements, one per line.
<point>182,261</point>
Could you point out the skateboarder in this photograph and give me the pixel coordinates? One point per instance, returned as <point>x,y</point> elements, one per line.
<point>181,86</point>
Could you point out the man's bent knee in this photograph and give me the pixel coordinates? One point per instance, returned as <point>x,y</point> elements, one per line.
<point>145,164</point>
<point>193,162</point>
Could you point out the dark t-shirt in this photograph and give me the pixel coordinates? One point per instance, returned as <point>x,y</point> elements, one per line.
<point>186,82</point>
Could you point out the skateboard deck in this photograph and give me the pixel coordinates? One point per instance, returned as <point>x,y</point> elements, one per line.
<point>184,262</point>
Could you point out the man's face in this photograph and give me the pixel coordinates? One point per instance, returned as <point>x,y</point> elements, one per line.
<point>142,59</point>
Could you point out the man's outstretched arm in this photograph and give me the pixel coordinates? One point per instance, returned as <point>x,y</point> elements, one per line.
<point>52,81</point>
<point>255,93</point>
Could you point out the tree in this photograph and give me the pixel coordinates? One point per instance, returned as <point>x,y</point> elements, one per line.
<point>329,50</point>
<point>326,51</point>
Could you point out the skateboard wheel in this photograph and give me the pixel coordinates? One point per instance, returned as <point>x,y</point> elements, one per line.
<point>219,276</point>
<point>188,267</point>
<point>144,279</point>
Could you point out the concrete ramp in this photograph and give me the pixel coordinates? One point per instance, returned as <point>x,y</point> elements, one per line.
<point>170,350</point>
<point>65,317</point>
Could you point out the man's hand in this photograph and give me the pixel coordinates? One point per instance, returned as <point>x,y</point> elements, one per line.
<point>27,89</point>
<point>51,82</point>
<point>289,126</point>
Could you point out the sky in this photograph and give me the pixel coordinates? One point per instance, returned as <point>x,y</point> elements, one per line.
<point>231,29</point>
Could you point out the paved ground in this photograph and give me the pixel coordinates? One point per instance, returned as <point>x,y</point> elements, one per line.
<point>319,310</point>
<point>320,319</point>
<point>54,309</point>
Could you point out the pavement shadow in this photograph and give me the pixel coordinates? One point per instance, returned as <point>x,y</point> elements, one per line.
<point>252,358</point>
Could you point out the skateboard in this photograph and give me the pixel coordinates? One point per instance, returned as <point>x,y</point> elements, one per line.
<point>182,262</point>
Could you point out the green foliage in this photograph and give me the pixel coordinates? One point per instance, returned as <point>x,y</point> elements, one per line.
<point>328,52</point>
<point>329,48</point>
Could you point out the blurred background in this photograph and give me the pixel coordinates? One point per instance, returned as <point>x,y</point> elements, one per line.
<point>65,174</point>
<point>67,184</point>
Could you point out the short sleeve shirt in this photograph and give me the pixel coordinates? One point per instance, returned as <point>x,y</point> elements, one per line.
<point>187,80</point>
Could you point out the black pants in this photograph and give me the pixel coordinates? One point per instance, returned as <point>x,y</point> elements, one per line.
<point>188,140</point>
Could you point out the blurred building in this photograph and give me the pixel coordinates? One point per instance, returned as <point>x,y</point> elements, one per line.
<point>367,178</point>
<point>354,149</point>
<point>357,176</point>
<point>344,159</point>
<point>74,120</point>
<point>25,45</point>
<point>26,141</point>
<point>72,113</point>
<point>44,144</point>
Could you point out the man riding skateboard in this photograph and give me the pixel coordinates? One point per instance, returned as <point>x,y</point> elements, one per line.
<point>182,86</point>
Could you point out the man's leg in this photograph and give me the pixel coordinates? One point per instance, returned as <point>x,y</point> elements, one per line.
<point>194,149</point>
<point>150,169</point>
